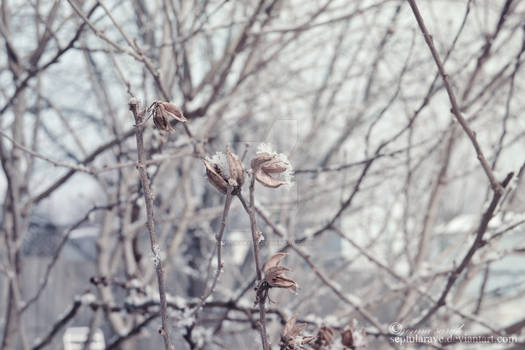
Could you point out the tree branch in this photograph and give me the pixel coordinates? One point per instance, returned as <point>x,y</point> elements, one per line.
<point>155,248</point>
<point>496,187</point>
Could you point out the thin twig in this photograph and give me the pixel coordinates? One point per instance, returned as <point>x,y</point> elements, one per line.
<point>218,237</point>
<point>61,322</point>
<point>478,243</point>
<point>496,187</point>
<point>255,237</point>
<point>155,248</point>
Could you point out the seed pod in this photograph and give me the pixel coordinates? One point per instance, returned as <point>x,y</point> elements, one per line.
<point>161,113</point>
<point>274,274</point>
<point>215,176</point>
<point>160,118</point>
<point>235,167</point>
<point>290,335</point>
<point>225,170</point>
<point>264,164</point>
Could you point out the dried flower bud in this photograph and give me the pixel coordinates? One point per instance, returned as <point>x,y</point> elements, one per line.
<point>290,335</point>
<point>275,276</point>
<point>266,162</point>
<point>352,338</point>
<point>161,111</point>
<point>347,338</point>
<point>225,170</point>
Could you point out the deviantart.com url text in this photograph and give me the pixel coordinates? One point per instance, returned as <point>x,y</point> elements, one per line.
<point>401,335</point>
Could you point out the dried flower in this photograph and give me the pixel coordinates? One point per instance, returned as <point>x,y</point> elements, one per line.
<point>274,274</point>
<point>225,170</point>
<point>161,111</point>
<point>290,335</point>
<point>266,163</point>
<point>352,338</point>
<point>325,336</point>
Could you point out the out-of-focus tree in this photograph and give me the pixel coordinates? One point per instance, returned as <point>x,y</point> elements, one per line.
<point>147,147</point>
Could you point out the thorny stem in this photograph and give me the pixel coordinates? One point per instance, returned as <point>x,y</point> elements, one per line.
<point>250,209</point>
<point>155,248</point>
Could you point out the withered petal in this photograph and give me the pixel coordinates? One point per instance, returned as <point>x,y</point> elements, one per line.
<point>307,340</point>
<point>291,330</point>
<point>275,277</point>
<point>274,261</point>
<point>290,324</point>
<point>267,180</point>
<point>274,166</point>
<point>174,112</point>
<point>297,330</point>
<point>259,159</point>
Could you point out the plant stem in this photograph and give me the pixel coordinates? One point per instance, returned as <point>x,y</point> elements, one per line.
<point>255,237</point>
<point>155,248</point>
<point>456,110</point>
<point>218,238</point>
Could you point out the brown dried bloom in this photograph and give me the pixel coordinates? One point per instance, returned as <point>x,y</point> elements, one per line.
<point>325,336</point>
<point>161,111</point>
<point>274,274</point>
<point>290,336</point>
<point>225,170</point>
<point>352,338</point>
<point>266,163</point>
